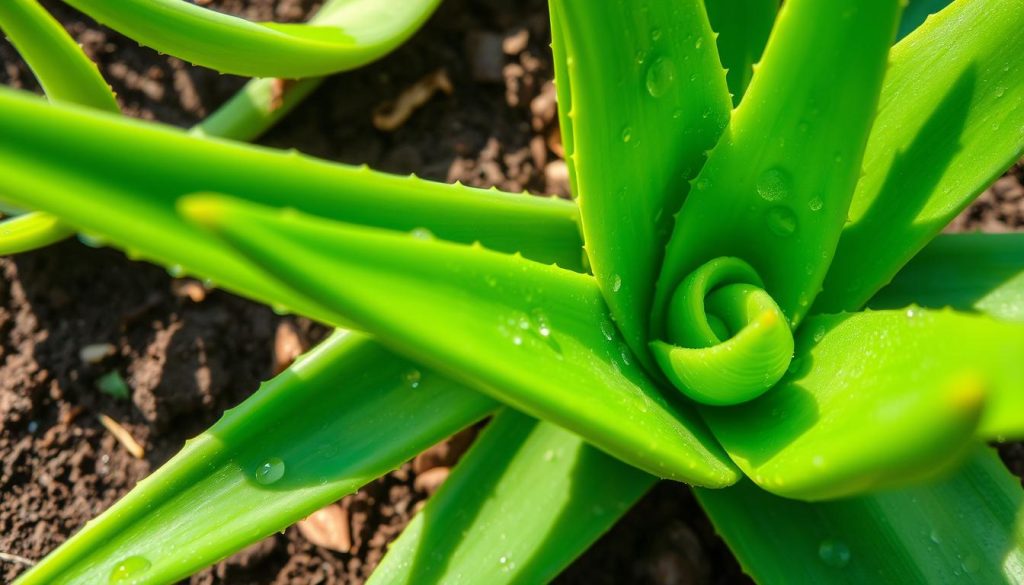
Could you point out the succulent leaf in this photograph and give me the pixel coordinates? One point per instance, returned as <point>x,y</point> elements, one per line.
<point>878,399</point>
<point>957,530</point>
<point>341,416</point>
<point>642,97</point>
<point>518,508</point>
<point>536,337</point>
<point>343,35</point>
<point>140,170</point>
<point>776,188</point>
<point>951,120</point>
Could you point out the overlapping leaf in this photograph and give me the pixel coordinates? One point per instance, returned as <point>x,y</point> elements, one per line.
<point>139,170</point>
<point>344,34</point>
<point>343,415</point>
<point>522,503</point>
<point>951,120</point>
<point>742,28</point>
<point>642,97</point>
<point>776,188</point>
<point>536,337</point>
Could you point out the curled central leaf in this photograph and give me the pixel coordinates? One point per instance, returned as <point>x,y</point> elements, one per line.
<point>727,340</point>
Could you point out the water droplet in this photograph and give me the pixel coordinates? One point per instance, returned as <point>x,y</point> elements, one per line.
<point>627,134</point>
<point>971,564</point>
<point>517,340</point>
<point>270,471</point>
<point>935,536</point>
<point>702,184</point>
<point>413,378</point>
<point>774,184</point>
<point>655,34</point>
<point>129,570</point>
<point>625,354</point>
<point>616,283</point>
<point>422,234</point>
<point>676,114</point>
<point>834,553</point>
<point>640,57</point>
<point>911,312</point>
<point>699,43</point>
<point>781,221</point>
<point>660,76</point>
<point>608,330</point>
<point>815,204</point>
<point>1000,91</point>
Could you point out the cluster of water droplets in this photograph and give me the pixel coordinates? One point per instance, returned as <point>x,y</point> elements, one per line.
<point>533,328</point>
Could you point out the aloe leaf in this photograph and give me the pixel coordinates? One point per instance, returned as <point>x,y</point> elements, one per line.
<point>742,27</point>
<point>536,337</point>
<point>958,530</point>
<point>968,272</point>
<point>343,35</point>
<point>66,75</point>
<point>642,97</point>
<point>136,174</point>
<point>63,70</point>
<point>30,231</point>
<point>878,399</point>
<point>951,120</point>
<point>520,506</point>
<point>342,415</point>
<point>780,203</point>
<point>255,108</point>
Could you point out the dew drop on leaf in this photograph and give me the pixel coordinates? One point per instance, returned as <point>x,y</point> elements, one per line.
<point>774,184</point>
<point>270,471</point>
<point>616,283</point>
<point>608,330</point>
<point>781,221</point>
<point>422,234</point>
<point>660,76</point>
<point>413,378</point>
<point>815,204</point>
<point>834,553</point>
<point>627,134</point>
<point>129,570</point>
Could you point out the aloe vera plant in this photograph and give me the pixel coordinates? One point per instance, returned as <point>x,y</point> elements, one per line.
<point>757,310</point>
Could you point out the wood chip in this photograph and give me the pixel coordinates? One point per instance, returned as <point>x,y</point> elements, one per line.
<point>390,116</point>
<point>431,479</point>
<point>287,345</point>
<point>123,436</point>
<point>95,353</point>
<point>328,527</point>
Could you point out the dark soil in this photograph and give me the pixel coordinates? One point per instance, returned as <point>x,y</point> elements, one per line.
<point>187,353</point>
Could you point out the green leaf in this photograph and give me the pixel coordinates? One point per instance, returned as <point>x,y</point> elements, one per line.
<point>968,272</point>
<point>257,107</point>
<point>124,188</point>
<point>66,75</point>
<point>878,399</point>
<point>742,27</point>
<point>30,231</point>
<point>536,337</point>
<point>341,416</point>
<point>780,203</point>
<point>958,530</point>
<point>951,120</point>
<point>520,506</point>
<point>343,35</point>
<point>64,71</point>
<point>642,98</point>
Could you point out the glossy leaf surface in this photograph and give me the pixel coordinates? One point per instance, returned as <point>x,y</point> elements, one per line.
<point>521,504</point>
<point>536,337</point>
<point>343,35</point>
<point>964,529</point>
<point>775,189</point>
<point>643,97</point>
<point>140,170</point>
<point>876,399</point>
<point>951,120</point>
<point>343,415</point>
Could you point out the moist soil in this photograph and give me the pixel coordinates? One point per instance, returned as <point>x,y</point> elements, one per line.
<point>187,353</point>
